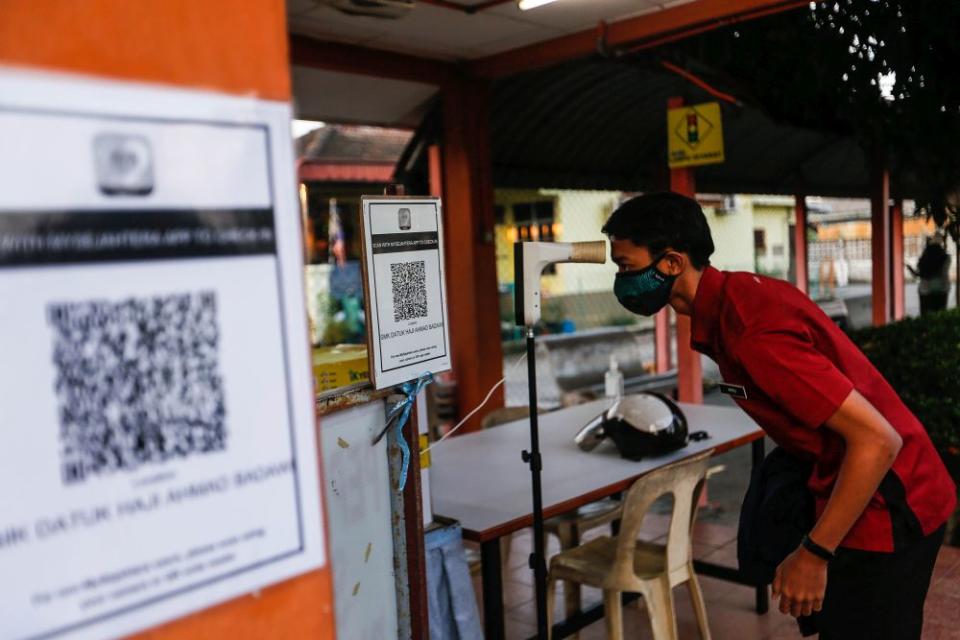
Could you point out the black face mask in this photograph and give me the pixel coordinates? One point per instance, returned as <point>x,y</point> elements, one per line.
<point>645,291</point>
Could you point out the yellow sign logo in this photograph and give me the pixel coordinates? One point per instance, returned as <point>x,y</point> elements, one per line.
<point>694,135</point>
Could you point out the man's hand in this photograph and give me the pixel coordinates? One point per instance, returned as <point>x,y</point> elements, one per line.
<point>800,583</point>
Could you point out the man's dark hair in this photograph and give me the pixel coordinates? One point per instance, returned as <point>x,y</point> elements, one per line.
<point>659,221</point>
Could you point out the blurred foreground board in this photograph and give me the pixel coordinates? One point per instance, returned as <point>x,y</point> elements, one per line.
<point>158,414</point>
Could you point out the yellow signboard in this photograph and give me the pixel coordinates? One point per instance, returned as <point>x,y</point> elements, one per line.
<point>424,454</point>
<point>694,135</point>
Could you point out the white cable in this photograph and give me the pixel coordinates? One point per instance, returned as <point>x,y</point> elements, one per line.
<point>478,407</point>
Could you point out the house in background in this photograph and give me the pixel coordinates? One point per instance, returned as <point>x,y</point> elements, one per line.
<point>344,154</point>
<point>336,166</point>
<point>843,229</point>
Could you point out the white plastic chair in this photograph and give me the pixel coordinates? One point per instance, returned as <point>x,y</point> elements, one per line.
<point>625,564</point>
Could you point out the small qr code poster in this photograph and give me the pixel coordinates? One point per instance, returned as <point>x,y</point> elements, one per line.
<point>159,449</point>
<point>405,281</point>
<point>408,284</point>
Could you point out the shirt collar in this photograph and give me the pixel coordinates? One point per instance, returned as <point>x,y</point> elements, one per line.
<point>706,310</point>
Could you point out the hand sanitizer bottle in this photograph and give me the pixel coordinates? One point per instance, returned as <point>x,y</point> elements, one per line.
<point>613,380</point>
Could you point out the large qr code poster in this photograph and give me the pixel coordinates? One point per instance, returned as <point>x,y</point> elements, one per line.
<point>138,382</point>
<point>158,449</point>
<point>406,283</point>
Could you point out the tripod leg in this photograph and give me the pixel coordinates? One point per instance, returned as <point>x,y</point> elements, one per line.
<point>537,558</point>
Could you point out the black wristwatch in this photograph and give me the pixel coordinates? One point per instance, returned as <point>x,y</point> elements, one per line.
<point>817,550</point>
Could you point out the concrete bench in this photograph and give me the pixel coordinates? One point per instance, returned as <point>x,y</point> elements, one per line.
<point>579,361</point>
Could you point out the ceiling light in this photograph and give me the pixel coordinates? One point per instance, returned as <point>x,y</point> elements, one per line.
<point>526,5</point>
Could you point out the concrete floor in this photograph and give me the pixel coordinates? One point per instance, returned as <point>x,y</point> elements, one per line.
<point>730,607</point>
<point>857,296</point>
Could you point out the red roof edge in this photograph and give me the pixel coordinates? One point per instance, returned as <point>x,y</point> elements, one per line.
<point>345,172</point>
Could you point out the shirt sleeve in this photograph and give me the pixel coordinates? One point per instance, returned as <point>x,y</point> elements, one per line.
<point>786,366</point>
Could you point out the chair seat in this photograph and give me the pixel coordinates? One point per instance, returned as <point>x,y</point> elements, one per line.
<point>588,516</point>
<point>591,563</point>
<point>642,567</point>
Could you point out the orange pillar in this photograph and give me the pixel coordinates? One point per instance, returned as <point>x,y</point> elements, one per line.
<point>897,293</point>
<point>690,370</point>
<point>212,46</point>
<point>661,339</point>
<point>880,246</point>
<point>435,170</point>
<point>473,298</point>
<point>800,259</point>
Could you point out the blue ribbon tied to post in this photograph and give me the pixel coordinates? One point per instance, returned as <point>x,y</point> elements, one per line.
<point>398,416</point>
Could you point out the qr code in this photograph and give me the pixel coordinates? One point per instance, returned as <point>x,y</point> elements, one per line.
<point>409,283</point>
<point>137,382</point>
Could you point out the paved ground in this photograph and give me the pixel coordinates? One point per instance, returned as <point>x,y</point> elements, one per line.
<point>729,606</point>
<point>858,299</point>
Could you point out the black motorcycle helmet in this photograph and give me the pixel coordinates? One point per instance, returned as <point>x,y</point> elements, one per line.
<point>642,424</point>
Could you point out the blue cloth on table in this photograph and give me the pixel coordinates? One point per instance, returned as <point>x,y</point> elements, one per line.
<point>451,600</point>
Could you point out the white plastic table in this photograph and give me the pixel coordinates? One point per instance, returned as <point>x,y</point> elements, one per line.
<point>480,480</point>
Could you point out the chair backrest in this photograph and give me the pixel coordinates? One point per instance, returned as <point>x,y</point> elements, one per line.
<point>441,406</point>
<point>684,480</point>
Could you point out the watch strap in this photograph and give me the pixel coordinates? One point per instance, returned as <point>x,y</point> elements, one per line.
<point>817,550</point>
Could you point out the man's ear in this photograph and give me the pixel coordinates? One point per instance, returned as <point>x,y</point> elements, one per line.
<point>675,262</point>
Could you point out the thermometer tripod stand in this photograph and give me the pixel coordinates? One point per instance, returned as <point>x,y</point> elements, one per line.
<point>529,261</point>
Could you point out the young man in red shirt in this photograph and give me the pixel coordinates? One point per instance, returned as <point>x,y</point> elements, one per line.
<point>882,492</point>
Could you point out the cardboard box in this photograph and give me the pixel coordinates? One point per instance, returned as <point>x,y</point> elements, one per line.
<point>340,366</point>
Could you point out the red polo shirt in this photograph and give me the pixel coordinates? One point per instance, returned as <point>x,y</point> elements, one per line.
<point>796,367</point>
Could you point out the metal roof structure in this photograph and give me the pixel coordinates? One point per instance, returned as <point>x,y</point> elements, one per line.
<point>601,124</point>
<point>595,120</point>
<point>440,31</point>
<point>361,69</point>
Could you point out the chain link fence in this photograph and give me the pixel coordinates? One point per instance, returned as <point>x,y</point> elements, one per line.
<point>857,253</point>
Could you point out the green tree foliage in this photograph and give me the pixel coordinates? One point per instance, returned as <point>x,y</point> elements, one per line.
<point>885,71</point>
<point>920,358</point>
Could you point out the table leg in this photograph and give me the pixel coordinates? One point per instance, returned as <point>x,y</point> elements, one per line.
<point>763,596</point>
<point>763,600</point>
<point>492,590</point>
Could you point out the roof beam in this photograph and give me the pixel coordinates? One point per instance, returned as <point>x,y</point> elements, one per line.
<point>662,26</point>
<point>348,58</point>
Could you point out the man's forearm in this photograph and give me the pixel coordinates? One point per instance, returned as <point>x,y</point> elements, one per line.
<point>871,447</point>
<point>863,468</point>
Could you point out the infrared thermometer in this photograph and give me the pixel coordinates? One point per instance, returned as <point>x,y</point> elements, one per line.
<point>529,261</point>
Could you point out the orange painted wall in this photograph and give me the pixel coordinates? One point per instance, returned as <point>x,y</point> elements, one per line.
<point>238,47</point>
<point>860,230</point>
<point>299,608</point>
<point>232,47</point>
